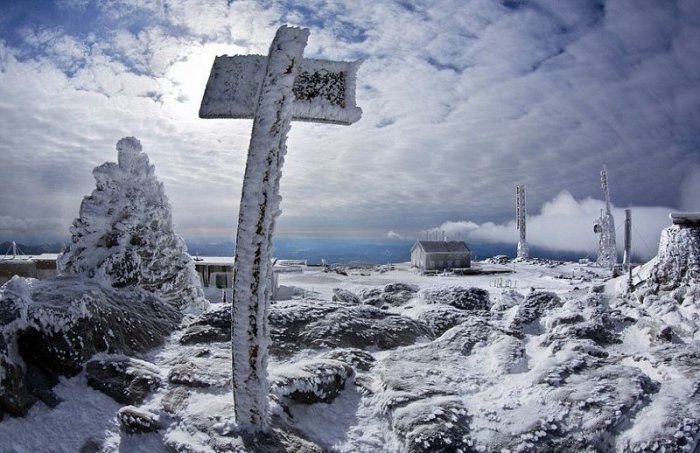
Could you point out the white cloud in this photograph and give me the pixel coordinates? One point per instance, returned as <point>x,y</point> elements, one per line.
<point>391,234</point>
<point>461,99</point>
<point>566,224</point>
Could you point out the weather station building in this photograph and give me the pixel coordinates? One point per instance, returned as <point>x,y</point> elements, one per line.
<point>440,255</point>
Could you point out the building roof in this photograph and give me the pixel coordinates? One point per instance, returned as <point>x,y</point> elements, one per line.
<point>442,246</point>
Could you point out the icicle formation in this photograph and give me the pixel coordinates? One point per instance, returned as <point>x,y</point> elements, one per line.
<point>520,213</point>
<point>605,228</point>
<point>124,234</point>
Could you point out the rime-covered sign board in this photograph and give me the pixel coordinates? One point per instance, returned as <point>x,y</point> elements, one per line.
<point>273,91</point>
<point>324,91</point>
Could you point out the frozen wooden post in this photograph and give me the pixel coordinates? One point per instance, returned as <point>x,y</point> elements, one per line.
<point>273,91</point>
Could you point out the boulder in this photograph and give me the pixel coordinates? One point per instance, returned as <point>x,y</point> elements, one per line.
<point>458,297</point>
<point>301,324</point>
<point>440,318</point>
<point>133,420</point>
<point>197,334</point>
<point>356,358</point>
<point>343,295</point>
<point>125,379</point>
<point>438,423</point>
<point>63,323</point>
<point>533,307</point>
<point>191,375</point>
<point>393,294</point>
<point>210,327</point>
<point>310,381</point>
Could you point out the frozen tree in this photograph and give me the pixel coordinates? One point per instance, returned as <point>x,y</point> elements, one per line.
<point>123,236</point>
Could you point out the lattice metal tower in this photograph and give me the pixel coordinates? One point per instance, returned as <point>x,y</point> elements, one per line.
<point>605,228</point>
<point>520,214</point>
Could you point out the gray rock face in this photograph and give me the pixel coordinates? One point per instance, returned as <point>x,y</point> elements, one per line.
<point>301,324</point>
<point>126,380</point>
<point>459,297</point>
<point>311,381</point>
<point>124,234</point>
<point>66,321</point>
<point>133,420</point>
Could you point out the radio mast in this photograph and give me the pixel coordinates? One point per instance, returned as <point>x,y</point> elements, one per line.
<point>520,214</point>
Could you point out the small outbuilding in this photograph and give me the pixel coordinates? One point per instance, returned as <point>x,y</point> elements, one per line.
<point>440,255</point>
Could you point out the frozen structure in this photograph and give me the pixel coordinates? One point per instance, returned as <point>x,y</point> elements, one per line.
<point>678,260</point>
<point>124,234</point>
<point>272,90</point>
<point>604,227</point>
<point>520,214</point>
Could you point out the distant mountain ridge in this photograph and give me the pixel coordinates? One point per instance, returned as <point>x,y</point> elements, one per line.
<point>37,249</point>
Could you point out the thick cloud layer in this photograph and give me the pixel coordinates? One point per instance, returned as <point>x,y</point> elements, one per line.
<point>566,224</point>
<point>462,100</point>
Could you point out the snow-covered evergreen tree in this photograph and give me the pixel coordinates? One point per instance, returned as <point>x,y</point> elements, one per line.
<point>124,234</point>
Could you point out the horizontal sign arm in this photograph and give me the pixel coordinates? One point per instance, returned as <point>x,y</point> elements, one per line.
<point>324,90</point>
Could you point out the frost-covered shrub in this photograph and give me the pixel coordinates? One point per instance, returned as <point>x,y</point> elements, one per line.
<point>123,236</point>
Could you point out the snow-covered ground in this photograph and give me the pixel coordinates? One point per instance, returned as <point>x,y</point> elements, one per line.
<point>545,361</point>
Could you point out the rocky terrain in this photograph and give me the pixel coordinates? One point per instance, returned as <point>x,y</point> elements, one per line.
<point>400,362</point>
<point>562,358</point>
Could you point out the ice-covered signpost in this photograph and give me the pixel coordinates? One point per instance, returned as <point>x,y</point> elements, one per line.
<point>273,91</point>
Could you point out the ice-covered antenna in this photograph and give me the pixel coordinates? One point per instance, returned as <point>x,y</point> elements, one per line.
<point>605,228</point>
<point>606,188</point>
<point>520,214</point>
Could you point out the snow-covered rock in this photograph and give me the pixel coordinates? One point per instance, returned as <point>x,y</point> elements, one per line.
<point>124,234</point>
<point>303,324</point>
<point>190,374</point>
<point>50,328</point>
<point>344,295</point>
<point>533,307</point>
<point>125,379</point>
<point>356,358</point>
<point>133,420</point>
<point>214,325</point>
<point>310,381</point>
<point>440,318</point>
<point>458,297</point>
<point>391,295</point>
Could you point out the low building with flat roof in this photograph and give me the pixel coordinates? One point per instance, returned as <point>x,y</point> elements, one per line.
<point>440,255</point>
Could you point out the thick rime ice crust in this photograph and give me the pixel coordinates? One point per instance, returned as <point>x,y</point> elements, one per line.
<point>124,235</point>
<point>678,260</point>
<point>259,207</point>
<point>50,328</point>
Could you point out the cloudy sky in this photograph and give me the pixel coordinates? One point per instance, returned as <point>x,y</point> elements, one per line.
<point>461,99</point>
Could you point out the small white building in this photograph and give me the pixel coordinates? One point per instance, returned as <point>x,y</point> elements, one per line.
<point>440,255</point>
